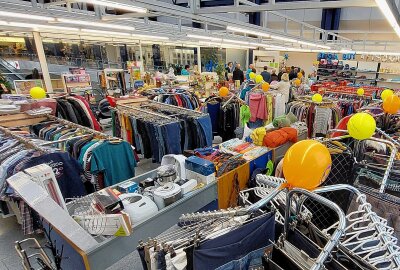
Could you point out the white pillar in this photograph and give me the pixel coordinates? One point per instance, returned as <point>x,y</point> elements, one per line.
<point>199,58</point>
<point>247,60</point>
<point>141,57</point>
<point>42,60</point>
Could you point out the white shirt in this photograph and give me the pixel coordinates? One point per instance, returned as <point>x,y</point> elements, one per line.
<point>284,88</point>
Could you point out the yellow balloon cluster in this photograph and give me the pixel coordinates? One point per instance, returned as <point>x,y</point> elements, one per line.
<point>297,82</point>
<point>37,92</point>
<point>252,75</point>
<point>259,78</point>
<point>317,98</point>
<point>386,93</point>
<point>361,126</point>
<point>306,164</point>
<point>299,75</point>
<point>360,91</point>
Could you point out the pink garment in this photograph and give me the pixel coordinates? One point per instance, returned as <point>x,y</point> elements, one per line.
<point>258,107</point>
<point>96,125</point>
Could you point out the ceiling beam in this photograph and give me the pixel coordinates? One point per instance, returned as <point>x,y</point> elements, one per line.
<point>288,6</point>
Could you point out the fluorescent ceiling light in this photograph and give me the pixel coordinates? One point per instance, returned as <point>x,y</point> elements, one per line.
<point>25,16</point>
<point>225,45</point>
<point>387,12</point>
<point>307,43</point>
<point>117,5</point>
<point>41,26</point>
<point>107,33</point>
<point>204,37</point>
<point>140,36</point>
<point>246,31</point>
<point>346,51</point>
<point>284,39</point>
<point>97,24</point>
<point>236,41</point>
<point>323,47</point>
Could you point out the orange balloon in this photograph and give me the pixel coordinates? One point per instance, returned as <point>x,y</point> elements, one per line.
<point>306,164</point>
<point>265,86</point>
<point>297,82</point>
<point>391,104</point>
<point>223,91</point>
<point>299,75</point>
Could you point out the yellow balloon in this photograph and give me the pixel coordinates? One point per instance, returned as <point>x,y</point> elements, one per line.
<point>386,93</point>
<point>265,86</point>
<point>306,164</point>
<point>360,91</point>
<point>391,104</point>
<point>299,75</point>
<point>223,91</point>
<point>297,82</point>
<point>252,75</point>
<point>361,126</point>
<point>317,98</point>
<point>37,92</point>
<point>259,78</point>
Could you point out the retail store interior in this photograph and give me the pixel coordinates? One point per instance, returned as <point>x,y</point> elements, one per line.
<point>199,134</point>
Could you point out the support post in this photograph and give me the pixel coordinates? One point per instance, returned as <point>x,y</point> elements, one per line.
<point>199,59</point>
<point>141,57</point>
<point>42,60</point>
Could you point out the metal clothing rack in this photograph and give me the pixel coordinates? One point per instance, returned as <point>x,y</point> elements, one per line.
<point>21,139</point>
<point>145,111</point>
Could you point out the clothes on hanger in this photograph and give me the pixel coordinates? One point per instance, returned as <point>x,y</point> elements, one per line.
<point>176,97</point>
<point>319,117</point>
<point>77,110</point>
<point>103,161</point>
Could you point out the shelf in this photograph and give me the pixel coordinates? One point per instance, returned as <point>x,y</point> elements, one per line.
<point>389,81</point>
<point>366,71</point>
<point>388,73</point>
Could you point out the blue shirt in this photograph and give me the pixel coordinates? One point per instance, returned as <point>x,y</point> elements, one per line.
<point>185,72</point>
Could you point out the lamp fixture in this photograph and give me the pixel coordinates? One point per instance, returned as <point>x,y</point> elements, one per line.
<point>114,4</point>
<point>25,16</point>
<point>387,12</point>
<point>203,37</point>
<point>36,27</point>
<point>107,33</point>
<point>96,24</point>
<point>149,37</point>
<point>222,45</point>
<point>284,39</point>
<point>246,31</point>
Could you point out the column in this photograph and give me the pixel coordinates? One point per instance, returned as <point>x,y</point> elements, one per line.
<point>42,60</point>
<point>199,58</point>
<point>141,57</point>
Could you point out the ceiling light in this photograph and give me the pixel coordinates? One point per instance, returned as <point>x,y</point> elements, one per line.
<point>25,16</point>
<point>323,47</point>
<point>41,26</point>
<point>307,43</point>
<point>284,39</point>
<point>246,31</point>
<point>203,37</point>
<point>107,33</point>
<point>116,5</point>
<point>140,36</point>
<point>236,41</point>
<point>346,51</point>
<point>387,12</point>
<point>219,45</point>
<point>98,24</point>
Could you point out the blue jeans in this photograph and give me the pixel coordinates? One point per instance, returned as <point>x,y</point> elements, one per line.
<point>162,147</point>
<point>254,258</point>
<point>206,129</point>
<point>151,131</point>
<point>138,139</point>
<point>172,135</point>
<point>236,244</point>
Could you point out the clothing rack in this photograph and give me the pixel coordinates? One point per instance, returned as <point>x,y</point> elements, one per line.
<point>21,139</point>
<point>144,111</point>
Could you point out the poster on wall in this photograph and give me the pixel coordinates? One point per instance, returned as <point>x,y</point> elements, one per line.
<point>22,87</point>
